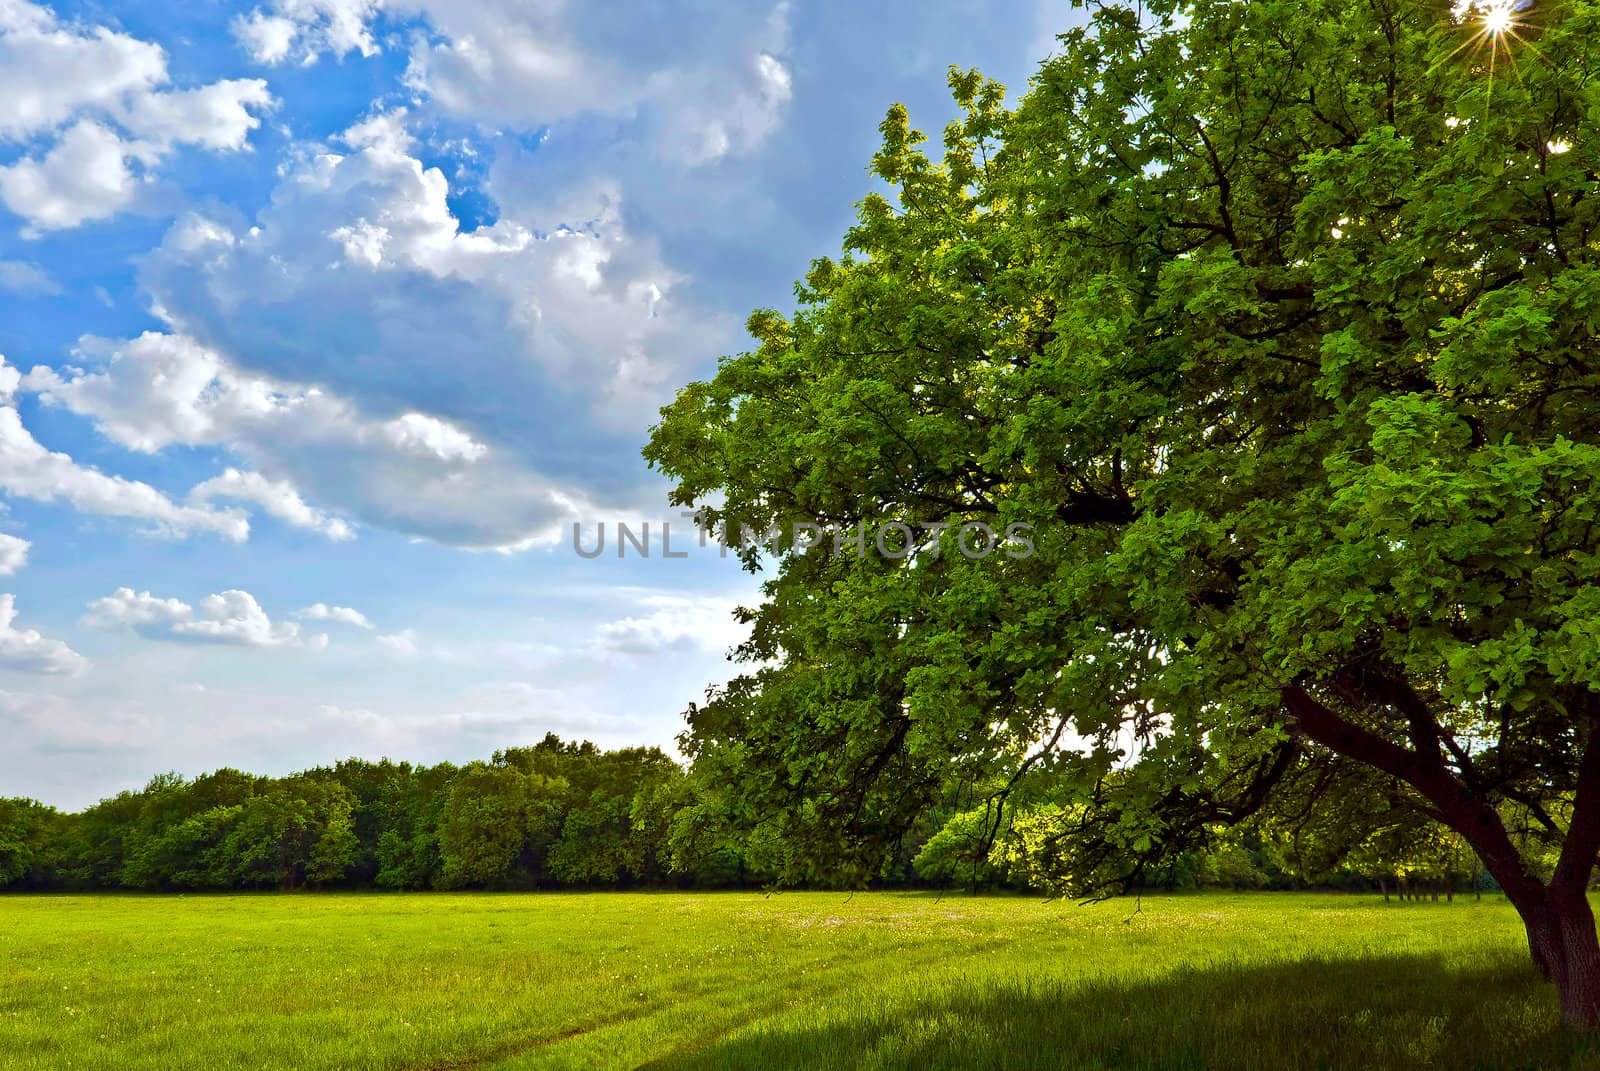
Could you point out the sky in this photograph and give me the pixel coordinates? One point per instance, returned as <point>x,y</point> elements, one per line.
<point>323,321</point>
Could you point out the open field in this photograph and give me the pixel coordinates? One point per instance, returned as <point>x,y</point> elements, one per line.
<point>671,980</point>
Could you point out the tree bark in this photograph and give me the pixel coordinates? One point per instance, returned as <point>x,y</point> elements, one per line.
<point>1566,950</point>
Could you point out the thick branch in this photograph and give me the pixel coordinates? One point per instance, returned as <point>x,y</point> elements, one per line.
<point>1458,807</point>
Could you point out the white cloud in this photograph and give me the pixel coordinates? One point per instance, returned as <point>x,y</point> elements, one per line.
<point>219,116</point>
<point>414,473</point>
<point>29,470</point>
<point>424,436</point>
<point>403,643</point>
<point>344,615</point>
<point>676,622</point>
<point>236,617</point>
<point>276,497</point>
<point>267,38</point>
<point>21,277</point>
<point>27,651</point>
<point>50,71</point>
<point>84,176</point>
<point>13,554</point>
<point>231,617</point>
<point>139,611</point>
<point>156,391</point>
<point>541,657</point>
<point>106,90</point>
<point>307,28</point>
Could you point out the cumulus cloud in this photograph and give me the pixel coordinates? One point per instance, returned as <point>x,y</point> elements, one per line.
<point>236,617</point>
<point>230,617</point>
<point>157,391</point>
<point>303,29</point>
<point>107,95</point>
<point>13,554</point>
<point>344,615</point>
<point>50,71</point>
<point>86,175</point>
<point>140,611</point>
<point>276,497</point>
<point>267,38</point>
<point>26,651</point>
<point>219,117</point>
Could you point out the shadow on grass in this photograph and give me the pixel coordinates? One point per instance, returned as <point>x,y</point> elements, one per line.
<point>1390,1012</point>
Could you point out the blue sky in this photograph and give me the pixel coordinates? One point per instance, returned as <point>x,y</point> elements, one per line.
<point>324,320</point>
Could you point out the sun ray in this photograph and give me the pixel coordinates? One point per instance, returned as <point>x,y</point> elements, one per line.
<point>1499,26</point>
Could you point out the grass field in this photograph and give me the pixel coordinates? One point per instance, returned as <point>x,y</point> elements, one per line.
<point>796,980</point>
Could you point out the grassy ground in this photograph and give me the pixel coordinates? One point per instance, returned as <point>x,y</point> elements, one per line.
<point>796,980</point>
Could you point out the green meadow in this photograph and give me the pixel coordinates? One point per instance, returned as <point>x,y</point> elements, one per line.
<point>793,980</point>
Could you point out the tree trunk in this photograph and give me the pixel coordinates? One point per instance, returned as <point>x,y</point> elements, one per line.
<point>1566,950</point>
<point>1383,886</point>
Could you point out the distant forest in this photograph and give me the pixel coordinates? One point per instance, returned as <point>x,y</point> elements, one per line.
<point>569,815</point>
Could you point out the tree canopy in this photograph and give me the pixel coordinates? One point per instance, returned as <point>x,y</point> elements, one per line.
<point>1275,325</point>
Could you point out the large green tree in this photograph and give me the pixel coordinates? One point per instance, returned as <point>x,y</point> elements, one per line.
<point>1276,322</point>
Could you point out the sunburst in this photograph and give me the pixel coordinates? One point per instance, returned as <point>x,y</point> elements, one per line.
<point>1497,25</point>
<point>1497,22</point>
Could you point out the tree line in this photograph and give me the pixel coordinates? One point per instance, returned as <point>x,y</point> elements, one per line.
<point>569,815</point>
